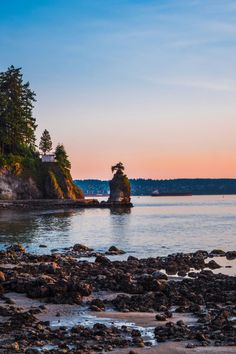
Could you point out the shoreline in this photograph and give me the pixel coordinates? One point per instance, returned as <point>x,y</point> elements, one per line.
<point>45,204</point>
<point>72,305</point>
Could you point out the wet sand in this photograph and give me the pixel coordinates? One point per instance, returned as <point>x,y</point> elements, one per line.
<point>177,348</point>
<point>144,319</point>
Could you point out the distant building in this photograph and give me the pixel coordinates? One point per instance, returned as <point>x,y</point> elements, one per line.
<point>49,158</point>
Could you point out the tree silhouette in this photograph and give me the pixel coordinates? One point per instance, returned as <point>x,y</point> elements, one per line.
<point>118,168</point>
<point>45,144</point>
<point>62,157</point>
<point>17,124</point>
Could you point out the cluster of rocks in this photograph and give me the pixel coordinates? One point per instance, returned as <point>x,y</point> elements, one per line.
<point>142,285</point>
<point>23,333</point>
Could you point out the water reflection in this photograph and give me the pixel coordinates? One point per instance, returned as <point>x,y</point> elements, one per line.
<point>153,227</point>
<point>29,227</point>
<point>120,211</point>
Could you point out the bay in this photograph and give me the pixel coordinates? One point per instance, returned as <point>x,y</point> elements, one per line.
<point>155,226</point>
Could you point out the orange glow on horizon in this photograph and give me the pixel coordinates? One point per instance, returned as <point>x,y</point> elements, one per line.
<point>211,165</point>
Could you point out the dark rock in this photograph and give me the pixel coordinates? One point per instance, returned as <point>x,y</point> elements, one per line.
<point>231,255</point>
<point>160,317</point>
<point>97,305</point>
<point>2,277</point>
<point>119,186</point>
<point>113,250</point>
<point>81,248</point>
<point>216,252</point>
<point>213,265</point>
<point>190,345</point>
<point>159,275</point>
<point>103,260</point>
<point>18,248</point>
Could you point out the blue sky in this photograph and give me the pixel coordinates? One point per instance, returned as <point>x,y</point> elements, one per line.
<point>150,83</point>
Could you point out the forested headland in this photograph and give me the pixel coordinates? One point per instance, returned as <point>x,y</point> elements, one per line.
<point>27,172</point>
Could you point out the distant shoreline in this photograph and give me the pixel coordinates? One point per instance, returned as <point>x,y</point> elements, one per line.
<point>35,204</point>
<point>145,187</point>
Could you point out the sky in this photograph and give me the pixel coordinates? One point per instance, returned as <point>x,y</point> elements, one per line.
<point>148,83</point>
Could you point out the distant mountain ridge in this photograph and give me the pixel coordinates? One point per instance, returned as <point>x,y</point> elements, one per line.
<point>141,186</point>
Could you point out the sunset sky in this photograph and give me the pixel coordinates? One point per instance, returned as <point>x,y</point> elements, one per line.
<point>148,83</point>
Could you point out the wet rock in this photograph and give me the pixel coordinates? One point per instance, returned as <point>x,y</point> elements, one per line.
<point>49,268</point>
<point>10,301</point>
<point>2,277</point>
<point>113,250</point>
<point>159,275</point>
<point>81,248</point>
<point>132,259</point>
<point>18,248</point>
<point>160,317</point>
<point>213,265</point>
<point>190,345</point>
<point>97,305</point>
<point>103,260</point>
<point>216,252</point>
<point>231,255</point>
<point>210,297</point>
<point>32,351</point>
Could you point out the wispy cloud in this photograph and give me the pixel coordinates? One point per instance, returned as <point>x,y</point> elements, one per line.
<point>228,87</point>
<point>200,84</point>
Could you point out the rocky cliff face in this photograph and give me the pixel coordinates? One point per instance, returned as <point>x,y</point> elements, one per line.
<point>14,186</point>
<point>49,181</point>
<point>58,183</point>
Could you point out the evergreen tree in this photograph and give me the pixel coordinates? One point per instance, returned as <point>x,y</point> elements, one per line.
<point>62,157</point>
<point>118,168</point>
<point>45,144</point>
<point>17,125</point>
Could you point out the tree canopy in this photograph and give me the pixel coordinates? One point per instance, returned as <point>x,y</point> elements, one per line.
<point>62,157</point>
<point>118,168</point>
<point>45,144</point>
<point>17,124</point>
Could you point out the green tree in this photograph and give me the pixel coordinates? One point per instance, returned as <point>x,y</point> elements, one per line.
<point>45,144</point>
<point>17,124</point>
<point>62,157</point>
<point>118,168</point>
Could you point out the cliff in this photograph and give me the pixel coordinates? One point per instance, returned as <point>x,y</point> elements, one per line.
<point>57,183</point>
<point>44,181</point>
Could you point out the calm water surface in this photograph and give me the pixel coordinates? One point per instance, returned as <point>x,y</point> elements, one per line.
<point>155,226</point>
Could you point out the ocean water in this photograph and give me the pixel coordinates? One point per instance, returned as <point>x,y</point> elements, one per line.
<point>155,226</point>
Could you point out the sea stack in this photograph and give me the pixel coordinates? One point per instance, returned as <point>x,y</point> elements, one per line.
<point>119,187</point>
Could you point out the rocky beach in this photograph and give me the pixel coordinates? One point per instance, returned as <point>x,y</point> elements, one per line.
<point>65,302</point>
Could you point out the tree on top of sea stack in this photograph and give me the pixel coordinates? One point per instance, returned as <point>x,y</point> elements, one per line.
<point>119,186</point>
<point>118,168</point>
<point>45,144</point>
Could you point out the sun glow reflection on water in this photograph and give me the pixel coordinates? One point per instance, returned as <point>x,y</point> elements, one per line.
<point>155,226</point>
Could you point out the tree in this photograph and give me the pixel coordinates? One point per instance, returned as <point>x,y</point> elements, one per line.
<point>17,124</point>
<point>62,157</point>
<point>118,168</point>
<point>45,144</point>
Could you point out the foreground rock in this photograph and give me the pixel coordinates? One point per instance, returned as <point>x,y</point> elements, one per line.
<point>135,285</point>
